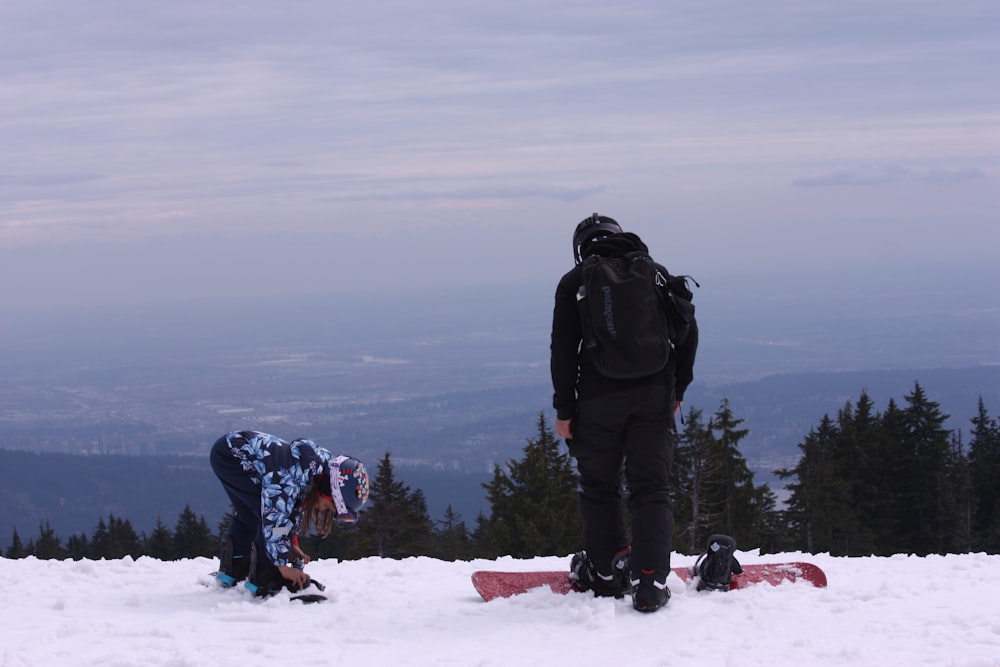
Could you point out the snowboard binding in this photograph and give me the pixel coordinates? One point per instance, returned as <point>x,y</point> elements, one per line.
<point>715,568</point>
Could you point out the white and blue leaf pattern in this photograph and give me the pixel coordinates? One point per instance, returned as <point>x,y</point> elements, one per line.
<point>284,472</point>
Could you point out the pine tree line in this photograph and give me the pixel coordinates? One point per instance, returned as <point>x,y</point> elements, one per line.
<point>533,512</point>
<point>116,538</point>
<point>896,482</point>
<point>865,483</point>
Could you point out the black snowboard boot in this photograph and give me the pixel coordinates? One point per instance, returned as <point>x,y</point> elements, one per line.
<point>649,590</point>
<point>586,577</point>
<point>715,567</point>
<point>232,568</point>
<point>264,578</point>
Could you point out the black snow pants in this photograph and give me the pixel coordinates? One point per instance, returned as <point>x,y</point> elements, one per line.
<point>631,427</point>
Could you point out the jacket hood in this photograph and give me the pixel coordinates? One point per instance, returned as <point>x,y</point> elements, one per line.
<point>618,244</point>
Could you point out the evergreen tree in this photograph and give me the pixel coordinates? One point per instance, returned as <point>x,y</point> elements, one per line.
<point>100,541</point>
<point>773,534</point>
<point>124,536</point>
<point>452,540</point>
<point>714,490</point>
<point>984,473</point>
<point>16,548</point>
<point>77,547</point>
<point>921,485</point>
<point>481,540</point>
<point>224,523</point>
<point>192,536</point>
<point>48,546</point>
<point>808,519</point>
<point>533,503</point>
<point>422,535</point>
<point>691,470</point>
<point>730,494</point>
<point>160,543</point>
<point>957,499</point>
<point>838,504</point>
<point>888,474</point>
<point>861,455</point>
<point>115,539</point>
<point>396,524</point>
<point>829,511</point>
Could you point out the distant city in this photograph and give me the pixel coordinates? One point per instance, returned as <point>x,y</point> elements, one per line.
<point>454,384</point>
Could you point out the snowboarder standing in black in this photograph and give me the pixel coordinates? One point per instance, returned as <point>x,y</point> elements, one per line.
<point>609,423</point>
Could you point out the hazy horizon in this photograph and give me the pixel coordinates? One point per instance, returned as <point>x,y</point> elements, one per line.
<point>933,315</point>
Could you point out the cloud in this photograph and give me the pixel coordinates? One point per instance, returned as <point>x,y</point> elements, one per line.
<point>565,194</point>
<point>47,180</point>
<point>889,174</point>
<point>358,123</point>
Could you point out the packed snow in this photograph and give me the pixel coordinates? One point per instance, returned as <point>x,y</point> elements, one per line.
<point>902,610</point>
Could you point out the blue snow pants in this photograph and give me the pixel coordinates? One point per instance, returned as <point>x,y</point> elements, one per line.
<point>244,494</point>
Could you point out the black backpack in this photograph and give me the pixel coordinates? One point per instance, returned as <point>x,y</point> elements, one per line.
<point>633,312</point>
<point>676,297</point>
<point>715,567</point>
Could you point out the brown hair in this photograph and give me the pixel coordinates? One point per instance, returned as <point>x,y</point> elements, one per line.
<point>313,518</point>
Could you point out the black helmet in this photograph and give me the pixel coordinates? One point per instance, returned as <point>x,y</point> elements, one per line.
<point>596,226</point>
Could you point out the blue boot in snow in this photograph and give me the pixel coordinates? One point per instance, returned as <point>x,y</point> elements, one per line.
<point>232,569</point>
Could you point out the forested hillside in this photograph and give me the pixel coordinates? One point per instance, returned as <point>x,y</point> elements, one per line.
<point>866,482</point>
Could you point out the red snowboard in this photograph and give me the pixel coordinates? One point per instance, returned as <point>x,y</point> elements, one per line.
<point>491,584</point>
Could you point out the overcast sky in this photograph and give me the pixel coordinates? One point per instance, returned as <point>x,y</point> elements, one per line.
<point>201,148</point>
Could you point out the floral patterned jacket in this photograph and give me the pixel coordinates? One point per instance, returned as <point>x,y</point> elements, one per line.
<point>284,471</point>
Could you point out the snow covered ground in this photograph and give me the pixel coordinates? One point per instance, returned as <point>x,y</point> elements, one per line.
<point>899,611</point>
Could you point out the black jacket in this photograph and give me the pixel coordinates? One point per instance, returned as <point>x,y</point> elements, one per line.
<point>573,373</point>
